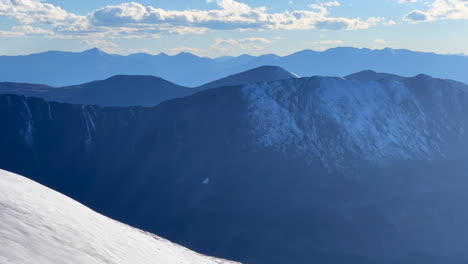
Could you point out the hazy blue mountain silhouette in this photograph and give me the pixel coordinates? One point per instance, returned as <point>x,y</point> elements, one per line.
<point>373,76</point>
<point>67,68</point>
<point>135,90</point>
<point>309,170</point>
<point>257,75</point>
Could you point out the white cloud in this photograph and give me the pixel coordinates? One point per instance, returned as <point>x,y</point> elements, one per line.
<point>104,45</point>
<point>332,3</point>
<point>26,30</point>
<point>230,15</point>
<point>134,19</point>
<point>35,11</point>
<point>406,1</point>
<point>328,42</point>
<point>100,43</point>
<point>10,34</point>
<point>380,41</point>
<point>440,9</point>
<point>196,51</point>
<point>29,30</point>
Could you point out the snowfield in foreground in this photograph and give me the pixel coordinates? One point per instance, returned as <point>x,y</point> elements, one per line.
<point>39,225</point>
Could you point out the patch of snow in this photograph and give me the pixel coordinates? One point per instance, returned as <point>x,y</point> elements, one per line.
<point>328,118</point>
<point>49,111</point>
<point>88,116</point>
<point>39,225</point>
<point>274,123</point>
<point>27,132</point>
<point>206,181</point>
<point>297,76</point>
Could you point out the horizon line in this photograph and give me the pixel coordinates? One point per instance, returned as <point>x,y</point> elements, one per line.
<point>96,49</point>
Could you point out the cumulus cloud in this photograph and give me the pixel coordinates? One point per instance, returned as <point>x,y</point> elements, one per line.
<point>440,9</point>
<point>133,19</point>
<point>26,30</point>
<point>35,11</point>
<point>230,15</point>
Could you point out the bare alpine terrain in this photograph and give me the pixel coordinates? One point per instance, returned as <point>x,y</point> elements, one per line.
<point>319,168</point>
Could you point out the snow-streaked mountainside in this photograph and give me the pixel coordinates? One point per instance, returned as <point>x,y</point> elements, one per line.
<point>136,90</point>
<point>39,225</point>
<point>59,68</point>
<point>257,75</point>
<point>373,121</point>
<point>307,170</point>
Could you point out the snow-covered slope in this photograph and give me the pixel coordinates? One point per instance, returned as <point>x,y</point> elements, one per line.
<point>334,119</point>
<point>310,170</point>
<point>39,225</point>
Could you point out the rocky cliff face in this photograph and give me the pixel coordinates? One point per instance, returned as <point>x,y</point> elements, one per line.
<point>313,169</point>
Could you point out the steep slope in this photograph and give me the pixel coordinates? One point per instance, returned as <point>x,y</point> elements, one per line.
<point>372,76</point>
<point>39,225</point>
<point>318,169</point>
<point>257,75</point>
<point>60,68</point>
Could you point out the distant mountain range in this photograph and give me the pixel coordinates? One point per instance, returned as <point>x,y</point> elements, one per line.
<point>39,225</point>
<point>136,90</point>
<point>57,68</point>
<point>367,169</point>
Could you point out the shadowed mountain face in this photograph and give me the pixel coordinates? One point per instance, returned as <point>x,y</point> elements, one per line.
<point>318,169</point>
<point>121,91</point>
<point>136,90</point>
<point>192,71</point>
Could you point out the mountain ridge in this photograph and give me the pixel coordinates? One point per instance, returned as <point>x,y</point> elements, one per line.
<point>192,71</point>
<point>136,90</point>
<point>314,160</point>
<point>256,75</point>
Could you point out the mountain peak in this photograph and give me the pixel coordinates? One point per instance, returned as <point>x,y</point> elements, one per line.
<point>122,77</point>
<point>96,51</point>
<point>369,75</point>
<point>260,74</point>
<point>186,54</point>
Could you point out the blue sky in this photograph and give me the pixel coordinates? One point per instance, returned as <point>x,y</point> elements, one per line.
<point>232,27</point>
